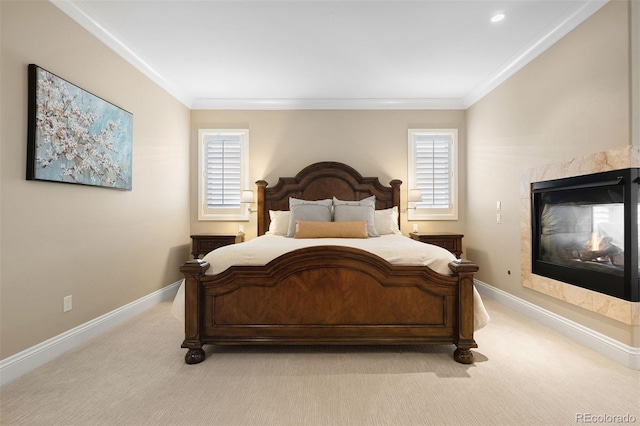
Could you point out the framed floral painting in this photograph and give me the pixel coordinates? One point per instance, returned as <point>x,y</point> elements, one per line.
<point>75,136</point>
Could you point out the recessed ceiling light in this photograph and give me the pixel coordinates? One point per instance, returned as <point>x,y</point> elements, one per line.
<point>498,17</point>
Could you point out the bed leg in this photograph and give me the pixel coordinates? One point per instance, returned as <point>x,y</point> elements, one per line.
<point>194,356</point>
<point>463,356</point>
<point>464,339</point>
<point>193,270</point>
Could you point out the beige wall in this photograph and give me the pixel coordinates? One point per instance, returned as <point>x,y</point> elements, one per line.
<point>283,142</point>
<point>570,101</point>
<point>104,247</point>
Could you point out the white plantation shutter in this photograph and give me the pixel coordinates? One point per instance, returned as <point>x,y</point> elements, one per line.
<point>223,171</point>
<point>432,170</point>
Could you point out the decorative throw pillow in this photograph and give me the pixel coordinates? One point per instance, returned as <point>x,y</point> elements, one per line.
<point>279,224</point>
<point>386,221</point>
<point>331,229</point>
<point>312,211</point>
<point>350,211</point>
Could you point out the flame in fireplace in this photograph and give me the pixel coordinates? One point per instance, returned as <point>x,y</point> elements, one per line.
<point>595,242</point>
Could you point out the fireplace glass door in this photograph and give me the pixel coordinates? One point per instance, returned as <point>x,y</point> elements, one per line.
<point>586,230</point>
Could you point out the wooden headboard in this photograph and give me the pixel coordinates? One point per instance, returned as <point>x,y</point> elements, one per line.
<point>322,180</point>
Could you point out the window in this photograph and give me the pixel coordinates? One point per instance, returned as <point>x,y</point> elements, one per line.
<point>223,174</point>
<point>433,169</point>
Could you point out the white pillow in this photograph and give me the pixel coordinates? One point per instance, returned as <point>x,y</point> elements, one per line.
<point>351,211</point>
<point>386,221</point>
<point>312,211</point>
<point>279,222</point>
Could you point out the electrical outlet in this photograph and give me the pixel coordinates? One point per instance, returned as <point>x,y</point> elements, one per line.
<point>66,304</point>
<point>240,228</point>
<point>498,218</point>
<point>415,227</point>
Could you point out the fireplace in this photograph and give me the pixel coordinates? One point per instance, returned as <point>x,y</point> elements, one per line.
<point>585,231</point>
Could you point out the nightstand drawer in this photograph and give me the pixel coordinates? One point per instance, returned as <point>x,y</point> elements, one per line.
<point>451,242</point>
<point>204,243</point>
<point>448,244</point>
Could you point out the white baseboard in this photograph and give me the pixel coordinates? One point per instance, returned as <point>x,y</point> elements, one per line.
<point>611,348</point>
<point>23,362</point>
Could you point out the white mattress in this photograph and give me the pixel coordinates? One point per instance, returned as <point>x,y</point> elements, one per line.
<point>396,249</point>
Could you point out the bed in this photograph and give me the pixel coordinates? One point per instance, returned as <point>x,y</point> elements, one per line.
<point>328,291</point>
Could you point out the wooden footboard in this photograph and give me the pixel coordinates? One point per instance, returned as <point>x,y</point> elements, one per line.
<point>329,295</point>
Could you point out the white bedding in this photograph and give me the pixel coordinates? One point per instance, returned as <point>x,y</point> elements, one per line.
<point>396,249</point>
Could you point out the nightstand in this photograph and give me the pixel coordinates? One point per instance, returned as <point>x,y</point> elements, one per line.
<point>452,242</point>
<point>202,244</point>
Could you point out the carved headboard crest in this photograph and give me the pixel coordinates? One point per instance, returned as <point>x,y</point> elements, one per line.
<point>322,180</point>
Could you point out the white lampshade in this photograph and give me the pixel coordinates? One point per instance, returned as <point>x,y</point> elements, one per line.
<point>246,196</point>
<point>415,196</point>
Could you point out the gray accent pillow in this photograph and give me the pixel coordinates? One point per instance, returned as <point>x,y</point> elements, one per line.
<point>310,211</point>
<point>352,211</point>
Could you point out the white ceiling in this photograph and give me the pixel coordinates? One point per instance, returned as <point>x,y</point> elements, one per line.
<point>380,54</point>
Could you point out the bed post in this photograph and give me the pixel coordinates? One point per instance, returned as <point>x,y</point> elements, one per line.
<point>464,270</point>
<point>262,209</point>
<point>395,184</point>
<point>192,271</point>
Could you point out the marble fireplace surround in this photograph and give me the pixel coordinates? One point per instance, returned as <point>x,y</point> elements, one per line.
<point>614,159</point>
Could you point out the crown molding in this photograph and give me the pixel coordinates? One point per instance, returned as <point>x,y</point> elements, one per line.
<point>333,103</point>
<point>553,33</point>
<point>81,15</point>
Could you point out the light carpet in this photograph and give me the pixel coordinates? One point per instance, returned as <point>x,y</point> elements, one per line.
<point>525,374</point>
